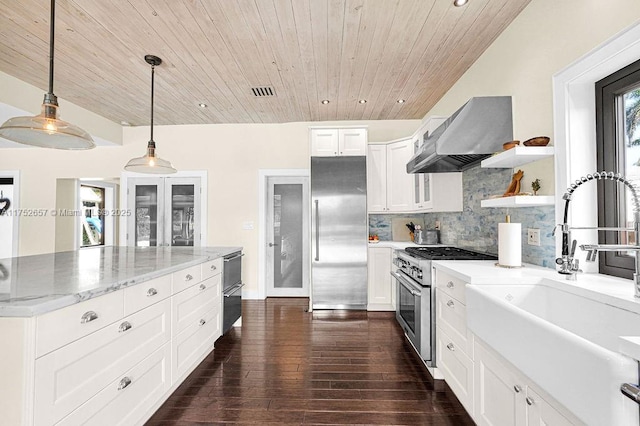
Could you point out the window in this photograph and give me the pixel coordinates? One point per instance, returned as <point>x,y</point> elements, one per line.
<point>618,150</point>
<point>92,220</point>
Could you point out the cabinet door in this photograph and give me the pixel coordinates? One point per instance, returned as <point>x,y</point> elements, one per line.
<point>499,393</point>
<point>377,178</point>
<point>380,281</point>
<point>541,413</point>
<point>399,182</point>
<point>324,142</point>
<point>182,212</point>
<point>352,141</point>
<point>146,198</point>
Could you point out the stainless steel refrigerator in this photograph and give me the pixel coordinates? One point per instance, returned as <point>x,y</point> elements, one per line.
<point>339,232</point>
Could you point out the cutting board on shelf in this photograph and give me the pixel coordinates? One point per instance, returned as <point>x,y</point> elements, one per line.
<point>399,230</point>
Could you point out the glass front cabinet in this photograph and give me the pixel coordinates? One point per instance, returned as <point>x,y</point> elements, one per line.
<point>166,211</point>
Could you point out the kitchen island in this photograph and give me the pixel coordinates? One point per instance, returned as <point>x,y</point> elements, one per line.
<point>104,335</point>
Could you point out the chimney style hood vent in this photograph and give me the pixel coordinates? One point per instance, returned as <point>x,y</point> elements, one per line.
<point>471,134</point>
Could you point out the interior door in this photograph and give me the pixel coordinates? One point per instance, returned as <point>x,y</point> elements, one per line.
<point>146,196</point>
<point>182,211</point>
<point>287,236</point>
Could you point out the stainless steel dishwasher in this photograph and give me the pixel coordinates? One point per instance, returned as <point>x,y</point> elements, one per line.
<point>231,290</point>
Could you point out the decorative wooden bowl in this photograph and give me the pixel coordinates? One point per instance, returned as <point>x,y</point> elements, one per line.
<point>538,141</point>
<point>509,145</point>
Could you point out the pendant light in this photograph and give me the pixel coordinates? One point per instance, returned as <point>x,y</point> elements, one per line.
<point>150,163</point>
<point>47,130</point>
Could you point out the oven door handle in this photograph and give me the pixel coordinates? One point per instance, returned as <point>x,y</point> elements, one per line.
<point>406,284</point>
<point>233,289</point>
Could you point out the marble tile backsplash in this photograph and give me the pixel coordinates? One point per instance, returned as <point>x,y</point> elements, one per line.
<point>476,227</point>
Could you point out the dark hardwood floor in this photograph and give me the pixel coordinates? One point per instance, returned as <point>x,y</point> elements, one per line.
<point>286,366</point>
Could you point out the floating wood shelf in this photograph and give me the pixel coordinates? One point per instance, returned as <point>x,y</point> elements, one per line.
<point>518,156</point>
<point>520,201</point>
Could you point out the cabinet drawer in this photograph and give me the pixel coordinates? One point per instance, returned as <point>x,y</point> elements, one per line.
<point>451,315</point>
<point>186,278</point>
<point>211,268</point>
<point>457,369</point>
<point>146,294</point>
<point>188,306</point>
<point>58,328</point>
<point>69,376</point>
<point>193,343</point>
<point>120,403</point>
<point>454,287</point>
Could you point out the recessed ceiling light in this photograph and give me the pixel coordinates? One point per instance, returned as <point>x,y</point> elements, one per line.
<point>400,101</point>
<point>202,105</point>
<point>459,3</point>
<point>324,101</point>
<point>125,123</point>
<point>362,101</point>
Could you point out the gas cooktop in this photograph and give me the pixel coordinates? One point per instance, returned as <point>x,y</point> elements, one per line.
<point>448,253</point>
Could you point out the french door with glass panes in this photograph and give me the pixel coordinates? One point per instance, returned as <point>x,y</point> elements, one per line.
<point>165,211</point>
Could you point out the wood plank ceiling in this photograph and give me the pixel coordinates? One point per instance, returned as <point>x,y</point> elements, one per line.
<point>216,51</point>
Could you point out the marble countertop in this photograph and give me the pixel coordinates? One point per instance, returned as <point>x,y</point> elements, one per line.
<point>400,245</point>
<point>33,285</point>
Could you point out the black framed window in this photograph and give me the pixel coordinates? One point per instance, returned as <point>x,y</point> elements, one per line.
<point>618,150</point>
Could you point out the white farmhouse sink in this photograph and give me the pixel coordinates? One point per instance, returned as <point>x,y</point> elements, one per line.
<point>564,342</point>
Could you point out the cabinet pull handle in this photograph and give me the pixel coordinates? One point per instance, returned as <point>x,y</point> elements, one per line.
<point>88,317</point>
<point>450,284</point>
<point>213,267</point>
<point>152,292</point>
<point>517,388</point>
<point>203,287</point>
<point>124,327</point>
<point>450,303</point>
<point>451,347</point>
<point>202,322</point>
<point>189,277</point>
<point>529,401</point>
<point>124,383</point>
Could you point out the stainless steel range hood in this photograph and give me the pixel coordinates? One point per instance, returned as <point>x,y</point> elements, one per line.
<point>471,134</point>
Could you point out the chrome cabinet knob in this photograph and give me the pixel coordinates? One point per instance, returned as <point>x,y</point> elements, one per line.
<point>88,317</point>
<point>451,347</point>
<point>124,327</point>
<point>450,284</point>
<point>202,322</point>
<point>450,303</point>
<point>517,388</point>
<point>189,277</point>
<point>152,292</point>
<point>203,287</point>
<point>213,267</point>
<point>529,401</point>
<point>124,383</point>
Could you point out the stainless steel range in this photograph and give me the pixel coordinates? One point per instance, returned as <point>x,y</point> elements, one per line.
<point>415,302</point>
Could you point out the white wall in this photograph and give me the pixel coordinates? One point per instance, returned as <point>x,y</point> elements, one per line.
<point>232,154</point>
<point>547,36</point>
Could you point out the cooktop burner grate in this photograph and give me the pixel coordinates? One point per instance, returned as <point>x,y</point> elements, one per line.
<point>448,253</point>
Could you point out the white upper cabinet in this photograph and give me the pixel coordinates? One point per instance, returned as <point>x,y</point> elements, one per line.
<point>338,142</point>
<point>377,178</point>
<point>399,182</point>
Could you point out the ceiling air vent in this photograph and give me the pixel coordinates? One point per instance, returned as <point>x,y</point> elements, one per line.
<point>263,91</point>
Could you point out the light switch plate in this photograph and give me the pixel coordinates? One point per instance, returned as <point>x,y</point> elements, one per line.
<point>533,236</point>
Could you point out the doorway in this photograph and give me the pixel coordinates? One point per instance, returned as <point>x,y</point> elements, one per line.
<point>287,236</point>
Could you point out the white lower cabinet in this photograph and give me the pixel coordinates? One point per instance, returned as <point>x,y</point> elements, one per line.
<point>456,368</point>
<point>503,396</point>
<point>381,291</point>
<point>111,360</point>
<point>126,400</point>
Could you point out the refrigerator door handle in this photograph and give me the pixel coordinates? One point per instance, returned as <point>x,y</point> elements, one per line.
<point>317,259</point>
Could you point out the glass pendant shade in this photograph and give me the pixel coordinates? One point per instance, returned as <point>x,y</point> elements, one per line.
<point>46,131</point>
<point>150,163</point>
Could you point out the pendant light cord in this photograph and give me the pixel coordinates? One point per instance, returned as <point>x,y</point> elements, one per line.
<point>51,40</point>
<point>153,68</point>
